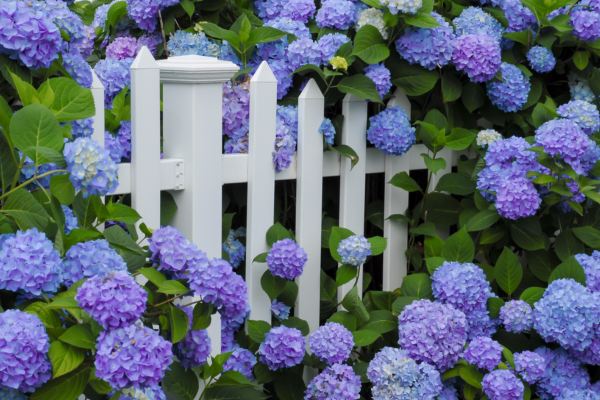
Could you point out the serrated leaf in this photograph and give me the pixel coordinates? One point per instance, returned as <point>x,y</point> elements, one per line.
<point>508,271</point>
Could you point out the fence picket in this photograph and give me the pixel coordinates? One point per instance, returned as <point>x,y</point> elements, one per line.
<point>98,95</point>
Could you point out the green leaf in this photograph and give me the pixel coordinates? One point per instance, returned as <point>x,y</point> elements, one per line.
<point>310,68</point>
<point>180,323</point>
<point>202,315</point>
<point>382,300</point>
<point>100,386</point>
<point>276,233</point>
<point>116,236</point>
<point>168,207</point>
<point>527,234</point>
<point>365,337</point>
<point>378,245</point>
<point>459,139</point>
<point>261,258</point>
<point>567,245</point>
<point>532,295</point>
<point>434,165</point>
<point>71,101</point>
<point>433,263</point>
<point>172,287</point>
<point>115,13</point>
<point>403,181</point>
<point>541,264</point>
<point>402,302</point>
<point>346,151</point>
<point>257,330</point>
<point>289,385</point>
<point>471,376</point>
<point>118,212</point>
<point>27,93</point>
<point>570,269</point>
<point>369,45</point>
<point>24,208</point>
<point>417,84</point>
<point>451,86</point>
<point>588,235</point>
<point>381,321</point>
<point>491,236</point>
<point>483,220</point>
<point>63,189</point>
<point>79,336</point>
<point>442,209</point>
<point>418,286</point>
<point>8,160</point>
<point>353,304</point>
<point>61,302</point>
<point>48,317</point>
<point>581,59</point>
<point>188,6</point>
<point>421,19</point>
<point>265,34</point>
<point>65,387</point>
<point>360,86</point>
<point>181,382</point>
<point>345,274</point>
<point>534,93</point>
<point>64,358</point>
<point>426,228</point>
<point>153,276</point>
<point>337,235</point>
<point>433,246</point>
<point>459,247</point>
<point>541,115</point>
<point>295,322</point>
<point>523,37</point>
<point>473,96</point>
<point>454,183</point>
<point>272,285</point>
<point>508,271</point>
<point>344,318</point>
<point>494,304</point>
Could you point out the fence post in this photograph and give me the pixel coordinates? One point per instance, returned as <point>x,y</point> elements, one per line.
<point>352,182</point>
<point>261,184</point>
<point>145,138</point>
<point>98,95</point>
<point>309,200</point>
<point>395,202</point>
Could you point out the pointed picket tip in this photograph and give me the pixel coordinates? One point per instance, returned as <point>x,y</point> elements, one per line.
<point>311,91</point>
<point>96,83</point>
<point>144,60</point>
<point>350,98</point>
<point>264,74</point>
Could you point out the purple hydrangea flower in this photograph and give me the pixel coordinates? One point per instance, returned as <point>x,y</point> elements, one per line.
<point>502,384</point>
<point>563,138</point>
<point>282,70</point>
<point>286,259</point>
<point>148,393</point>
<point>541,59</point>
<point>354,250</point>
<point>117,348</point>
<point>114,75</point>
<point>448,392</point>
<point>283,347</point>
<point>208,279</point>
<point>237,146</point>
<point>11,394</point>
<point>78,67</point>
<point>280,310</point>
<point>510,95</point>
<point>296,10</point>
<point>484,352</point>
<point>277,50</point>
<point>173,253</point>
<point>586,25</point>
<point>234,299</point>
<point>24,346</point>
<point>29,262</point>
<point>473,20</point>
<point>332,343</point>
<point>145,12</point>
<point>591,354</point>
<point>236,106</point>
<point>327,130</point>
<point>428,47</point>
<point>242,361</point>
<point>478,55</point>
<point>195,348</point>
<point>235,249</point>
<point>379,74</point>
<point>287,121</point>
<point>568,314</point>
<point>390,131</point>
<point>228,330</point>
<point>92,170</point>
<point>335,382</point>
<point>304,51</point>
<point>114,300</point>
<point>122,47</point>
<point>150,41</point>
<point>580,89</point>
<point>88,259</point>
<point>561,371</point>
<point>82,127</point>
<point>519,17</point>
<point>581,394</point>
<point>119,144</point>
<point>517,198</point>
<point>516,316</point>
<point>396,375</point>
<point>329,44</point>
<point>584,114</point>
<point>70,220</point>
<point>338,14</point>
<point>530,366</point>
<point>591,266</point>
<point>86,46</point>
<point>433,332</point>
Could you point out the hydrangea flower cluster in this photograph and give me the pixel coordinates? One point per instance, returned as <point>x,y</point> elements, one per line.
<point>88,259</point>
<point>390,131</point>
<point>119,145</point>
<point>510,95</point>
<point>563,138</point>
<point>338,14</point>
<point>11,394</point>
<point>327,130</point>
<point>29,263</point>
<point>581,394</point>
<point>82,127</point>
<point>404,6</point>
<point>591,267</point>
<point>487,137</point>
<point>236,109</point>
<point>519,17</point>
<point>373,17</point>
<point>116,348</point>
<point>530,366</point>
<point>584,114</point>
<point>473,20</point>
<point>234,248</point>
<point>448,392</point>
<point>478,55</point>
<point>517,198</point>
<point>280,310</point>
<point>305,51</point>
<point>283,347</point>
<point>395,374</point>
<point>70,221</point>
<point>580,89</point>
<point>242,361</point>
<point>332,343</point>
<point>379,74</point>
<point>516,316</point>
<point>561,371</point>
<point>354,250</point>
<point>329,44</point>
<point>122,47</point>
<point>184,43</point>
<point>286,259</point>
<point>586,24</point>
<point>433,332</point>
<point>145,12</point>
<point>297,10</point>
<point>484,352</point>
<point>195,348</point>
<point>234,299</point>
<point>286,134</point>
<point>502,384</point>
<point>24,346</point>
<point>92,170</point>
<point>173,253</point>
<point>78,67</point>
<point>208,279</point>
<point>148,393</point>
<point>541,59</point>
<point>335,382</point>
<point>114,75</point>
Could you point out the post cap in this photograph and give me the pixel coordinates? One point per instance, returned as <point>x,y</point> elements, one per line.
<point>196,69</point>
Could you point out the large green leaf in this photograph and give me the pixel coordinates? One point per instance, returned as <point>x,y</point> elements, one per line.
<point>508,271</point>
<point>369,45</point>
<point>483,220</point>
<point>344,318</point>
<point>442,209</point>
<point>257,330</point>
<point>570,269</point>
<point>180,323</point>
<point>172,287</point>
<point>421,19</point>
<point>455,184</point>
<point>79,336</point>
<point>298,323</point>
<point>64,358</point>
<point>71,101</point>
<point>381,321</point>
<point>473,96</point>
<point>451,86</point>
<point>403,181</point>
<point>459,247</point>
<point>459,139</point>
<point>264,34</point>
<point>360,86</point>
<point>353,304</point>
<point>417,286</point>
<point>567,244</point>
<point>62,187</point>
<point>276,233</point>
<point>532,295</point>
<point>289,385</point>
<point>24,208</point>
<point>527,233</point>
<point>8,162</point>
<point>272,285</point>
<point>471,376</point>
<point>345,274</point>
<point>494,304</point>
<point>588,235</point>
<point>541,263</point>
<point>181,382</point>
<point>419,83</point>
<point>365,337</point>
<point>66,387</point>
<point>337,235</point>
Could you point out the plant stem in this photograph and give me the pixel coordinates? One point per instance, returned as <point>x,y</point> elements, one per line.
<point>168,301</point>
<point>31,180</point>
<point>162,29</point>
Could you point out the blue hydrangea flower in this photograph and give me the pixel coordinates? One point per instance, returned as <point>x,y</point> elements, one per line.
<point>284,149</point>
<point>448,392</point>
<point>24,346</point>
<point>115,76</point>
<point>282,70</point>
<point>304,51</point>
<point>335,382</point>
<point>586,25</point>
<point>233,299</point>
<point>332,343</point>
<point>591,266</point>
<point>237,146</point>
<point>404,6</point>
<point>242,361</point>
<point>428,47</point>
<point>78,67</point>
<point>151,42</point>
<point>530,366</point>
<point>478,55</point>
<point>329,45</point>
<point>11,394</point>
<point>561,371</point>
<point>236,107</point>
<point>29,262</point>
<point>517,198</point>
<point>338,14</point>
<point>116,348</point>
<point>173,253</point>
<point>88,259</point>
<point>92,170</point>
<point>516,316</point>
<point>148,393</point>
<point>433,333</point>
<point>580,89</point>
<point>584,114</point>
<point>390,131</point>
<point>502,384</point>
<point>473,20</point>
<point>278,49</point>
<point>591,354</point>
<point>28,170</point>
<point>354,250</point>
<point>541,59</point>
<point>396,375</point>
<point>280,310</point>
<point>228,330</point>
<point>184,43</point>
<point>519,17</point>
<point>70,220</point>
<point>286,259</point>
<point>381,76</point>
<point>145,12</point>
<point>327,130</point>
<point>510,95</point>
<point>563,138</point>
<point>581,394</point>
<point>195,348</point>
<point>296,10</point>
<point>235,249</point>
<point>283,347</point>
<point>484,352</point>
<point>82,127</point>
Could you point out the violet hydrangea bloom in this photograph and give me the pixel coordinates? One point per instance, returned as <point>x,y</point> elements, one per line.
<point>280,310</point>
<point>581,394</point>
<point>433,332</point>
<point>236,106</point>
<point>561,371</point>
<point>116,348</point>
<point>92,170</point>
<point>584,114</point>
<point>586,25</point>
<point>563,138</point>
<point>70,220</point>
<point>331,343</point>
<point>82,127</point>
<point>122,47</point>
<point>478,55</point>
<point>283,347</point>
<point>154,392</point>
<point>530,366</point>
<point>327,130</point>
<point>114,75</point>
<point>29,262</point>
<point>541,59</point>
<point>234,248</point>
<point>282,70</point>
<point>473,20</point>
<point>228,330</point>
<point>329,44</point>
<point>448,392</point>
<point>242,361</point>
<point>502,384</point>
<point>335,382</point>
<point>286,259</point>
<point>150,41</point>
<point>591,266</point>
<point>173,253</point>
<point>114,299</point>
<point>390,131</point>
<point>354,250</point>
<point>145,12</point>
<point>517,198</point>
<point>484,352</point>
<point>304,51</point>
<point>88,259</point>
<point>381,76</point>
<point>208,279</point>
<point>519,17</point>
<point>396,375</point>
<point>195,347</point>
<point>510,95</point>
<point>516,316</point>
<point>297,10</point>
<point>78,67</point>
<point>338,14</point>
<point>234,299</point>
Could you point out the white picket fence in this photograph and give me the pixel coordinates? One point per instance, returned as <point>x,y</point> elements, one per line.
<point>194,168</point>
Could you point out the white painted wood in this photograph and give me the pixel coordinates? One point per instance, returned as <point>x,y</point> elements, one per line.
<point>98,95</point>
<point>352,182</point>
<point>309,200</point>
<point>171,175</point>
<point>145,138</point>
<point>261,184</point>
<point>395,202</point>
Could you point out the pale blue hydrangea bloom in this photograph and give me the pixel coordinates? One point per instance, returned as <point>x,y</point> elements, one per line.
<point>354,250</point>
<point>381,76</point>
<point>329,45</point>
<point>70,219</point>
<point>149,393</point>
<point>487,137</point>
<point>580,89</point>
<point>403,6</point>
<point>115,76</point>
<point>235,249</point>
<point>516,316</point>
<point>473,20</point>
<point>327,130</point>
<point>541,59</point>
<point>184,43</point>
<point>11,394</point>
<point>510,95</point>
<point>584,114</point>
<point>92,170</point>
<point>581,394</point>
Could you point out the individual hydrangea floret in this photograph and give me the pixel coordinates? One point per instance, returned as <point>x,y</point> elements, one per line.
<point>517,198</point>
<point>487,137</point>
<point>92,170</point>
<point>115,76</point>
<point>516,316</point>
<point>428,47</point>
<point>116,348</point>
<point>338,14</point>
<point>473,20</point>
<point>88,259</point>
<point>478,55</point>
<point>70,220</point>
<point>24,346</point>
<point>195,347</point>
<point>122,47</point>
<point>484,352</point>
<point>510,95</point>
<point>379,74</point>
<point>403,6</point>
<point>354,250</point>
<point>561,371</point>
<point>395,375</point>
<point>242,361</point>
<point>390,131</point>
<point>114,299</point>
<point>591,267</point>
<point>541,59</point>
<point>530,366</point>
<point>173,253</point>
<point>234,248</point>
<point>502,384</point>
<point>564,138</point>
<point>148,393</point>
<point>584,114</point>
<point>433,332</point>
<point>329,44</point>
<point>327,130</point>
<point>332,343</point>
<point>29,263</point>
<point>335,382</point>
<point>286,259</point>
<point>283,347</point>
<point>373,17</point>
<point>280,310</point>
<point>586,25</point>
